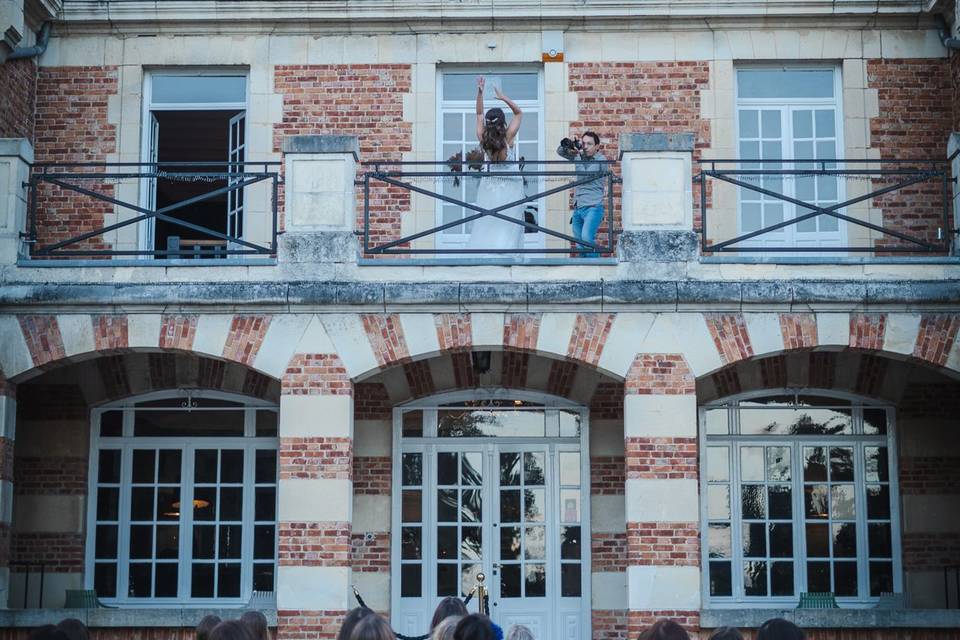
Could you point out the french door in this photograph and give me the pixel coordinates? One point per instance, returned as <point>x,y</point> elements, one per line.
<point>513,511</point>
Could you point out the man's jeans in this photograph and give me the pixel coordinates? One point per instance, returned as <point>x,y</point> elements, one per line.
<point>586,221</point>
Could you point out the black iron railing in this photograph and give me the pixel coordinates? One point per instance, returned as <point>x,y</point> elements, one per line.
<point>90,183</point>
<point>426,178</point>
<point>884,176</point>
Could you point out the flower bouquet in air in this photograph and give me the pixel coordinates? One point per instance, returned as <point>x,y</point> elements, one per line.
<point>474,163</point>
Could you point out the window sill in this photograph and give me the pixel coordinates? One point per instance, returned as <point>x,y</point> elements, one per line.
<point>40,263</point>
<point>138,617</point>
<point>834,618</point>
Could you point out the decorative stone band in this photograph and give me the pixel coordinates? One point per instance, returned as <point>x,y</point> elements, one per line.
<point>314,544</point>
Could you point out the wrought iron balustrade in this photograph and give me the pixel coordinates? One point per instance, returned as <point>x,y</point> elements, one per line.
<point>922,184</point>
<point>427,179</point>
<point>62,193</point>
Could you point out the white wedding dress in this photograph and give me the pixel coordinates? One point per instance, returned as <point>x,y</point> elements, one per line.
<point>490,232</point>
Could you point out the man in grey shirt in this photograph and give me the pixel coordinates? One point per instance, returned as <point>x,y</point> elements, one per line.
<point>588,198</point>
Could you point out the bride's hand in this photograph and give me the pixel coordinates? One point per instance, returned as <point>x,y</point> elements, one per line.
<point>481,83</point>
<point>498,93</point>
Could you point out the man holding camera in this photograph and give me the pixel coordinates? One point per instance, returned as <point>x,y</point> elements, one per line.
<point>588,197</point>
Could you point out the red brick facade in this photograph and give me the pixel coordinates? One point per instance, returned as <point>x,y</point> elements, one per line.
<point>316,374</point>
<point>370,552</point>
<point>938,331</point>
<point>18,98</point>
<point>371,402</point>
<point>660,373</point>
<point>310,458</point>
<point>372,475</point>
<point>245,337</point>
<point>454,331</point>
<point>72,126</point>
<point>178,332</point>
<point>916,116</point>
<point>313,544</point>
<point>386,337</point>
<point>799,330</point>
<point>607,475</point>
<point>661,458</point>
<point>867,330</point>
<point>663,544</point>
<point>589,337</point>
<point>729,333</point>
<point>560,380</point>
<point>521,330</point>
<point>42,334</point>
<point>110,332</point>
<point>362,100</point>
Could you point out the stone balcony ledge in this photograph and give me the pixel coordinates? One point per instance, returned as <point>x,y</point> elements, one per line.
<point>140,617</point>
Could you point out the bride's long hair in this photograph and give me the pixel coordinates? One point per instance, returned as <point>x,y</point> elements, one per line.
<point>494,139</point>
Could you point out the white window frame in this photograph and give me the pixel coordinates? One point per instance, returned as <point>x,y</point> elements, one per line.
<point>451,240</point>
<point>786,105</point>
<point>430,443</point>
<point>249,442</point>
<point>797,442</point>
<point>145,233</point>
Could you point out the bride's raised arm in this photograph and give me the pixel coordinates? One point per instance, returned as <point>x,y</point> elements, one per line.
<point>481,81</point>
<point>517,116</point>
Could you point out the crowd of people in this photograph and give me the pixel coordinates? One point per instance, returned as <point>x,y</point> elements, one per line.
<point>450,621</point>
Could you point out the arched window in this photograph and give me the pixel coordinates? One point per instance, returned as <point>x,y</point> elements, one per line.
<point>183,490</point>
<point>799,494</point>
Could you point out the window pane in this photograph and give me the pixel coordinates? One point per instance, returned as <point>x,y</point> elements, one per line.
<point>785,83</point>
<point>781,540</point>
<point>878,536</point>
<point>534,505</point>
<point>204,541</point>
<point>534,543</point>
<point>447,578</point>
<point>845,578</point>
<point>410,580</point>
<point>781,579</point>
<point>780,502</point>
<point>815,501</point>
<point>509,543</point>
<point>168,542</point>
<point>841,502</point>
<point>198,89</point>
<point>718,539</point>
<point>718,464</point>
<point>471,509</point>
<point>716,420</point>
<point>825,123</point>
<point>752,464</point>
<point>471,468</point>
<point>204,503</point>
<point>106,545</point>
<point>471,543</point>
<point>231,503</point>
<point>410,546</point>
<point>754,540</point>
<point>533,466</point>
<point>814,464</point>
<point>570,505</point>
<point>753,502</point>
<point>447,543</point>
<point>108,504</point>
<point>510,581</point>
<point>718,502</point>
<point>266,421</point>
<point>411,470</point>
<point>755,578</point>
<point>231,466</point>
<point>266,466</point>
<point>105,579</point>
<point>228,580</point>
<point>413,420</point>
<point>510,506</point>
<point>411,508</point>
<point>265,503</point>
<point>201,579</point>
<point>874,421</point>
<point>141,541</point>
<point>844,540</point>
<point>205,465</point>
<point>818,541</point>
<point>143,466</point>
<point>878,502</point>
<point>570,468</point>
<point>111,424</point>
<point>447,507</point>
<point>231,541</point>
<point>535,583</point>
<point>140,580</point>
<point>748,123</point>
<point>881,578</point>
<point>778,464</point>
<point>818,577</point>
<point>109,467</point>
<point>264,541</point>
<point>570,580</point>
<point>165,583</point>
<point>263,577</point>
<point>877,466</point>
<point>841,464</point>
<point>169,467</point>
<point>175,423</point>
<point>802,123</point>
<point>570,543</point>
<point>720,581</point>
<point>447,468</point>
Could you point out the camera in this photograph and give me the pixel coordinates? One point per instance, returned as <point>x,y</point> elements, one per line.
<point>567,143</point>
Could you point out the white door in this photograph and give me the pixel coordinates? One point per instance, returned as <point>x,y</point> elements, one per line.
<point>457,134</point>
<point>148,198</point>
<point>512,511</point>
<point>235,155</point>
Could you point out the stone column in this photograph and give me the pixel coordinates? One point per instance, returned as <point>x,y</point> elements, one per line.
<point>319,211</point>
<point>662,503</point>
<point>16,155</point>
<point>657,201</point>
<point>8,419</point>
<point>315,507</point>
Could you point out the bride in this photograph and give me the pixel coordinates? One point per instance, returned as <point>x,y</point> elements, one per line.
<point>496,140</point>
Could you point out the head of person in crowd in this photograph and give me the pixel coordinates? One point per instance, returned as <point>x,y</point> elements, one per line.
<point>520,632</point>
<point>449,606</point>
<point>726,633</point>
<point>444,630</point>
<point>206,626</point>
<point>351,620</point>
<point>372,627</point>
<point>231,630</point>
<point>665,630</point>
<point>589,143</point>
<point>48,632</point>
<point>779,629</point>
<point>74,629</point>
<point>257,622</point>
<point>475,627</point>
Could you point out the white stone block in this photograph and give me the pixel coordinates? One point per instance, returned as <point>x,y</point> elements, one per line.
<point>315,500</point>
<point>833,328</point>
<point>765,333</point>
<point>660,416</point>
<point>662,500</point>
<point>282,337</point>
<point>371,513</point>
<point>663,588</point>
<point>900,335</point>
<point>143,330</point>
<point>313,588</point>
<point>375,587</point>
<point>623,342</point>
<point>315,416</point>
<point>657,190</point>
<point>8,417</point>
<point>76,331</point>
<point>555,332</point>
<point>788,45</point>
<point>654,45</point>
<point>487,329</point>
<point>212,332</point>
<point>618,45</point>
<point>608,514</point>
<point>47,513</point>
<point>315,339</point>
<point>608,590</point>
<point>606,438</point>
<point>953,360</point>
<point>699,349</point>
<point>350,339</point>
<point>420,334</point>
<point>372,438</point>
<point>320,192</point>
<point>14,355</point>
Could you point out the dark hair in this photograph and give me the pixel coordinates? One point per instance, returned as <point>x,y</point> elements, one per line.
<point>665,630</point>
<point>449,606</point>
<point>474,627</point>
<point>206,626</point>
<point>257,622</point>
<point>779,629</point>
<point>75,629</point>
<point>726,633</point>
<point>231,630</point>
<point>372,628</point>
<point>596,138</point>
<point>48,632</point>
<point>494,139</point>
<point>351,620</point>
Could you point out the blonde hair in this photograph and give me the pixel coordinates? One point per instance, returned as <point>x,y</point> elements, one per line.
<point>520,632</point>
<point>445,628</point>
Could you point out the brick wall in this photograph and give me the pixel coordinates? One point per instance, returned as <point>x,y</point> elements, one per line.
<point>72,126</point>
<point>644,97</point>
<point>370,552</point>
<point>916,116</point>
<point>18,96</point>
<point>362,100</point>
